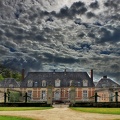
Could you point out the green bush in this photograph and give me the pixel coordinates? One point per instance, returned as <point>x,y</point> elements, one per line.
<point>14,97</point>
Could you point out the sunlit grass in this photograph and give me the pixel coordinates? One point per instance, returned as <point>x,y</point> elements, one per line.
<point>13,118</point>
<point>98,110</point>
<point>23,108</point>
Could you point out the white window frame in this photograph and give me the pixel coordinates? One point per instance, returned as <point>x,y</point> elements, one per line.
<point>29,93</point>
<point>43,83</point>
<point>104,85</point>
<point>71,82</point>
<point>43,94</point>
<point>57,83</point>
<point>11,85</point>
<point>85,95</point>
<point>35,84</point>
<point>30,83</point>
<point>85,83</point>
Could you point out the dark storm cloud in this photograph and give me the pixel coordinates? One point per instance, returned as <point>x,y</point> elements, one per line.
<point>1,31</point>
<point>116,16</point>
<point>66,60</point>
<point>115,67</point>
<point>78,21</point>
<point>18,33</point>
<point>90,14</point>
<point>18,64</point>
<point>39,38</point>
<point>57,59</point>
<point>112,4</point>
<point>3,50</point>
<point>76,8</point>
<point>78,35</point>
<point>50,19</point>
<point>94,5</point>
<point>92,35</point>
<point>81,35</point>
<point>64,12</point>
<point>108,36</point>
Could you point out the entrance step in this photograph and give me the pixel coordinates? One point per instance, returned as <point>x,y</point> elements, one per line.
<point>60,105</point>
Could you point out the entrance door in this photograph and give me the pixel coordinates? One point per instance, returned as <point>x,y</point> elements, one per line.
<point>57,95</point>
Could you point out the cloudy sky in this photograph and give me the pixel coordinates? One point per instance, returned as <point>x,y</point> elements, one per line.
<point>79,35</point>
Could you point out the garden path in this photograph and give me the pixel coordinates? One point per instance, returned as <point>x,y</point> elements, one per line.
<point>60,114</point>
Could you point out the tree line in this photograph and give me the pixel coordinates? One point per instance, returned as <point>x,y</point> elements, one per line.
<point>9,73</point>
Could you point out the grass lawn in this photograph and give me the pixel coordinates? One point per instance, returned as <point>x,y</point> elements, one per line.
<point>115,111</point>
<point>13,118</point>
<point>22,108</point>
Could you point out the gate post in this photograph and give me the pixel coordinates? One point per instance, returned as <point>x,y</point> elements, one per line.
<point>116,97</point>
<point>26,97</point>
<point>5,97</point>
<point>49,95</point>
<point>72,95</point>
<point>96,97</point>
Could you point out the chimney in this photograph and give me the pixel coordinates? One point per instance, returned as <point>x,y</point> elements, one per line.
<point>65,71</point>
<point>54,71</point>
<point>105,76</point>
<point>23,74</point>
<point>92,74</point>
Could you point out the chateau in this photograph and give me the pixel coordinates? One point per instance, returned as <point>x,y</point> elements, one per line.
<point>61,86</point>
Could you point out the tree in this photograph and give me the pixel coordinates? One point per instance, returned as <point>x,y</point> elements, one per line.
<point>6,73</point>
<point>1,77</point>
<point>9,73</point>
<point>16,75</point>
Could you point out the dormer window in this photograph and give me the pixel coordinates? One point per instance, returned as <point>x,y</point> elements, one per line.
<point>78,83</point>
<point>85,83</point>
<point>30,83</point>
<point>43,83</point>
<point>36,84</point>
<point>11,85</point>
<point>71,82</point>
<point>57,83</point>
<point>103,85</point>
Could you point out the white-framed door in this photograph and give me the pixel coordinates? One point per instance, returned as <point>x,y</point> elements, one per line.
<point>57,95</point>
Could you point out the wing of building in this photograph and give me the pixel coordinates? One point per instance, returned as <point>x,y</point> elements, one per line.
<point>106,88</point>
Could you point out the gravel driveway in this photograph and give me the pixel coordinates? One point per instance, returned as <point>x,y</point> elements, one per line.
<point>60,114</point>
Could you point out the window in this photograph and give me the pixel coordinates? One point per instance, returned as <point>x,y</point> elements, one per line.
<point>35,84</point>
<point>57,95</point>
<point>114,85</point>
<point>78,83</point>
<point>29,95</point>
<point>103,85</point>
<point>30,83</point>
<point>84,94</point>
<point>43,95</point>
<point>85,82</point>
<point>11,85</point>
<point>71,82</point>
<point>111,97</point>
<point>43,83</point>
<point>57,83</point>
<point>102,96</point>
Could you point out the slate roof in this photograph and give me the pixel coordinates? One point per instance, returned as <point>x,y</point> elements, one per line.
<point>65,78</point>
<point>9,81</point>
<point>106,83</point>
